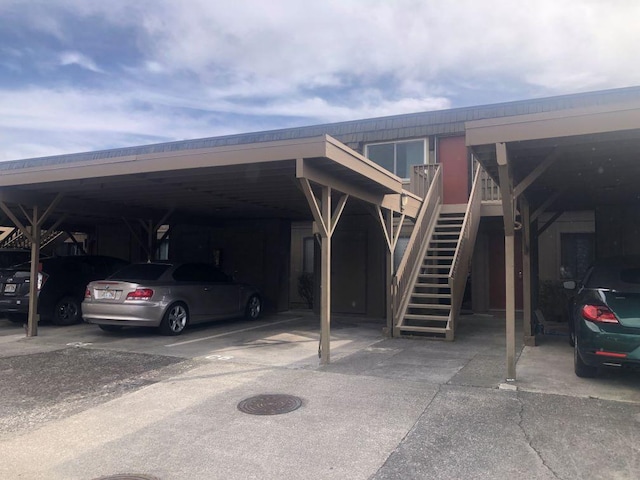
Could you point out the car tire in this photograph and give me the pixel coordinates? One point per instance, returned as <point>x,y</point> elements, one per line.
<point>17,317</point>
<point>66,312</point>
<point>582,369</point>
<point>175,319</point>
<point>110,328</point>
<point>254,308</point>
<point>572,337</point>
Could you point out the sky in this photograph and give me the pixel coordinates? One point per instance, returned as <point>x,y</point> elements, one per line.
<point>83,75</point>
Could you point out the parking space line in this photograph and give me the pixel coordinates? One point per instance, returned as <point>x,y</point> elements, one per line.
<point>232,332</point>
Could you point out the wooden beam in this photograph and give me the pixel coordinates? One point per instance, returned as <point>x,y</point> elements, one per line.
<point>510,305</point>
<point>313,205</point>
<point>536,172</point>
<point>52,206</point>
<point>325,282</point>
<point>550,222</point>
<point>315,175</point>
<point>33,317</point>
<point>543,207</point>
<point>337,213</point>
<point>527,294</point>
<point>15,221</point>
<point>506,190</point>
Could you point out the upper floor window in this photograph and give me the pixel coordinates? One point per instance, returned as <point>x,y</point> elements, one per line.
<point>398,157</point>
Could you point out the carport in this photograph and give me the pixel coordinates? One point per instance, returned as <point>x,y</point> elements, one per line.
<point>209,180</point>
<point>580,159</point>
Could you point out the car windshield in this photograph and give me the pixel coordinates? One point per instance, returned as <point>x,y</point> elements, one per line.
<point>140,271</point>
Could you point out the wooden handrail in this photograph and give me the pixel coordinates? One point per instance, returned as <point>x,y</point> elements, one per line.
<point>490,189</point>
<point>421,178</point>
<point>416,248</point>
<point>464,251</point>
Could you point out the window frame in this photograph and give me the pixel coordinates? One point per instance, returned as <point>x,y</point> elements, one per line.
<point>425,152</point>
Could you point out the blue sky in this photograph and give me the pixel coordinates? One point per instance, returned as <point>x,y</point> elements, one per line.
<point>80,75</point>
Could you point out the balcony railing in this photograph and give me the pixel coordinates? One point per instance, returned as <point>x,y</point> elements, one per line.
<point>490,189</point>
<point>421,178</point>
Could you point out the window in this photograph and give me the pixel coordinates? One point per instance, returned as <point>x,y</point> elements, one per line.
<point>577,253</point>
<point>398,157</point>
<point>308,255</point>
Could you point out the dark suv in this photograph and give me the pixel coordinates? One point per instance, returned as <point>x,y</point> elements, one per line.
<point>61,285</point>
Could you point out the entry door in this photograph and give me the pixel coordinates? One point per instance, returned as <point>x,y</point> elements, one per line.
<point>349,272</point>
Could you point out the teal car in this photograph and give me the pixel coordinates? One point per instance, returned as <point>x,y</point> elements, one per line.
<point>605,317</point>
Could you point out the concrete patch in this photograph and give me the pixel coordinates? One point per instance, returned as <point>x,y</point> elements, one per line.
<point>548,368</point>
<point>190,427</point>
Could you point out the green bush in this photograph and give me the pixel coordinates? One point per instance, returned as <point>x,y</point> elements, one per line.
<point>553,300</point>
<point>305,288</point>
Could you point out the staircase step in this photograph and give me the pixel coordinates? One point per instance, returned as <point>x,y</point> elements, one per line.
<point>433,285</point>
<point>423,329</point>
<point>441,249</point>
<point>431,306</point>
<point>415,316</point>
<point>439,257</point>
<point>433,275</point>
<point>431,295</point>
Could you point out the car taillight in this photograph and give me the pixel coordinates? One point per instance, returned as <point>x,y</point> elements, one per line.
<point>598,313</point>
<point>140,294</point>
<point>87,293</point>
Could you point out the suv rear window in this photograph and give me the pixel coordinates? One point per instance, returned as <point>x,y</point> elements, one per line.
<point>140,271</point>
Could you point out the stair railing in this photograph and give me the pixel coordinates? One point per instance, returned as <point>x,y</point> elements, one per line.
<point>461,264</point>
<point>421,178</point>
<point>409,267</point>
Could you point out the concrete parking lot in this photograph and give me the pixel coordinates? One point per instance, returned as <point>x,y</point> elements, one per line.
<point>79,403</point>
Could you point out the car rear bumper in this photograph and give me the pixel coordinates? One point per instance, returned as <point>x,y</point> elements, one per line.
<point>149,314</point>
<point>599,347</point>
<point>14,305</point>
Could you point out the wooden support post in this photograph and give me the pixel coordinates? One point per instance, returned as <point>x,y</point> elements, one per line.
<point>389,271</point>
<point>509,266</point>
<point>508,208</point>
<point>326,221</point>
<point>529,338</point>
<point>32,320</point>
<point>325,281</point>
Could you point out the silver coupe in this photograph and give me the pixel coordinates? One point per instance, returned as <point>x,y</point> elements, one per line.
<point>168,296</point>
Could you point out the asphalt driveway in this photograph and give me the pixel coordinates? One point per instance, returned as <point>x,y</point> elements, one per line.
<point>87,404</point>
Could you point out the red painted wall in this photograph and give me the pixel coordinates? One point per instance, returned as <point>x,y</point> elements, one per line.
<point>452,154</point>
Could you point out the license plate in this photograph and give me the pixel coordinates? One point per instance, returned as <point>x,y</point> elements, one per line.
<point>109,294</point>
<point>10,288</point>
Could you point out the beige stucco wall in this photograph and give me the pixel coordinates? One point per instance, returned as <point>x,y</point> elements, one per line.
<point>357,268</point>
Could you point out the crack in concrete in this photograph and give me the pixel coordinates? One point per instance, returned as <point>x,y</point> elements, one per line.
<point>528,438</point>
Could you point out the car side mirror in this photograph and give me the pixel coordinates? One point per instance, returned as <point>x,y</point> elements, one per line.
<point>569,285</point>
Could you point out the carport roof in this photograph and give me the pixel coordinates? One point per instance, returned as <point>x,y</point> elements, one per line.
<point>250,180</point>
<point>588,157</point>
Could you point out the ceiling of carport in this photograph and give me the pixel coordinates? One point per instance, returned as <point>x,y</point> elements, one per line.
<point>235,188</point>
<point>591,170</point>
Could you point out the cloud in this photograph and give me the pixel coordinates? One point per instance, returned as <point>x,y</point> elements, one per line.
<point>172,70</point>
<point>77,58</point>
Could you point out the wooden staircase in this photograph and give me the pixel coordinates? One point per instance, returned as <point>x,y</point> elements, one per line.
<point>16,239</point>
<point>429,308</point>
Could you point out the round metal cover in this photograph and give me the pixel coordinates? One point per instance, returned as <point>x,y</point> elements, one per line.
<point>128,476</point>
<point>269,404</point>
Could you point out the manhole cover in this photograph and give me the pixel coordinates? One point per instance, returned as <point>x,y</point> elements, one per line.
<point>128,476</point>
<point>269,404</point>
